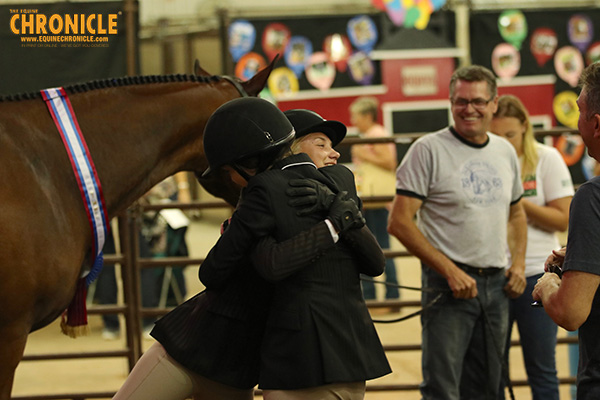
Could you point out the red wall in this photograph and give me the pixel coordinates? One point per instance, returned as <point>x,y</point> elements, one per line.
<point>536,98</point>
<point>409,80</point>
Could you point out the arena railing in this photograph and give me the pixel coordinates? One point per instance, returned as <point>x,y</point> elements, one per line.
<point>131,264</point>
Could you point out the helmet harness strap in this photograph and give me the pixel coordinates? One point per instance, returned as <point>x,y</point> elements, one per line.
<point>241,171</point>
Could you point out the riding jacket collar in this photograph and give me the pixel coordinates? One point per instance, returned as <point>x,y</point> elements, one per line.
<point>294,161</point>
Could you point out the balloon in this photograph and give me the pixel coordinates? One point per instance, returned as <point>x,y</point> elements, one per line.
<point>593,53</point>
<point>274,39</point>
<point>283,82</point>
<point>338,48</point>
<point>249,65</point>
<point>506,60</point>
<point>568,64</point>
<point>437,4</point>
<point>566,109</point>
<point>543,44</point>
<point>361,68</point>
<point>242,36</point>
<point>513,27</point>
<point>396,11</point>
<point>411,17</point>
<point>378,4</point>
<point>425,9</point>
<point>571,148</point>
<point>581,31</point>
<point>362,32</point>
<point>320,71</point>
<point>297,52</point>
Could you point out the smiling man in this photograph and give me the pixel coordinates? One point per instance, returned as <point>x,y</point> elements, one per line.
<point>464,186</point>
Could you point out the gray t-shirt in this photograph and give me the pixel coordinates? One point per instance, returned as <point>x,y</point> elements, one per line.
<point>467,191</point>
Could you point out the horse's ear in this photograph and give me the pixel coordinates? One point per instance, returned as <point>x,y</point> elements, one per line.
<point>198,70</point>
<point>254,85</point>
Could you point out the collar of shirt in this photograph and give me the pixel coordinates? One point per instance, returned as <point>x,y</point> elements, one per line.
<point>294,161</point>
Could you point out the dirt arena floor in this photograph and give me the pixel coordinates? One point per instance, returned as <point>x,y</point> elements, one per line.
<point>107,374</point>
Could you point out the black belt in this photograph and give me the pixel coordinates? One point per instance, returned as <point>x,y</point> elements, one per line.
<point>489,271</point>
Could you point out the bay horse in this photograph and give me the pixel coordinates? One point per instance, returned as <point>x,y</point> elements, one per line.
<point>139,130</point>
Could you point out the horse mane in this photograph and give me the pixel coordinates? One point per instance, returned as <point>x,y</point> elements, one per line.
<point>115,82</point>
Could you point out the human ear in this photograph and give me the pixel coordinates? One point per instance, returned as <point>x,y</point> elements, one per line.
<point>596,123</point>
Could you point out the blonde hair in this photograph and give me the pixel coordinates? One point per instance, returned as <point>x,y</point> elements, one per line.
<point>295,147</point>
<point>365,105</point>
<point>511,106</point>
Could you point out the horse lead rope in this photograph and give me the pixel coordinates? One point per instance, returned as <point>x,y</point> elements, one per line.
<point>441,293</point>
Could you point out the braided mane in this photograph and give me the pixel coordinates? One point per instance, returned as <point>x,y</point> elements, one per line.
<point>115,82</point>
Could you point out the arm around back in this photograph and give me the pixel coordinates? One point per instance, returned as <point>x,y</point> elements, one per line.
<point>366,249</point>
<point>276,261</point>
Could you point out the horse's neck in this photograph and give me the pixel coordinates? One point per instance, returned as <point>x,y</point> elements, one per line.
<point>139,135</point>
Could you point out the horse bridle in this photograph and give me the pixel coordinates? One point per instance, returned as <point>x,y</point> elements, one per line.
<point>236,84</point>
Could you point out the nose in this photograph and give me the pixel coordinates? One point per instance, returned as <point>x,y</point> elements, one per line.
<point>334,154</point>
<point>470,107</point>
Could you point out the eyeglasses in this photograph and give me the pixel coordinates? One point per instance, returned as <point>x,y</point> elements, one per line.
<point>478,103</point>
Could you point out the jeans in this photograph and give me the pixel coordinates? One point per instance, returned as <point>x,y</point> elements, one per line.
<point>377,219</point>
<point>463,340</point>
<point>537,332</point>
<point>573,362</point>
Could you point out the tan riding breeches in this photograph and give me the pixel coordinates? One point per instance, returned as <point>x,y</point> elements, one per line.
<point>156,376</point>
<point>337,391</point>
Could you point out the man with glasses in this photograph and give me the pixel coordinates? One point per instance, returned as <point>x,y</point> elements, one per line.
<point>463,185</point>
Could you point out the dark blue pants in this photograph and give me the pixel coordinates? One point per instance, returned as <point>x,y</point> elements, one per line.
<point>537,333</point>
<point>377,219</point>
<point>106,285</point>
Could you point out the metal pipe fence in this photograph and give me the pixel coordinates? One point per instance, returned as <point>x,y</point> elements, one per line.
<point>131,264</point>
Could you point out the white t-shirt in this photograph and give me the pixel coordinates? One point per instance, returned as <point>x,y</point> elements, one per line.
<point>467,191</point>
<point>551,181</point>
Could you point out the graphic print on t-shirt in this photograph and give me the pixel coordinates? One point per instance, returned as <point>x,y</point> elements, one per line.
<point>481,183</point>
<point>529,186</point>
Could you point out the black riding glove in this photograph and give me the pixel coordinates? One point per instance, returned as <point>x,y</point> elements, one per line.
<point>344,214</point>
<point>313,195</point>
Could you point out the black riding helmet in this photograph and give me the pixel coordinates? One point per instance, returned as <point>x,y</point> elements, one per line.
<point>307,121</point>
<point>244,128</point>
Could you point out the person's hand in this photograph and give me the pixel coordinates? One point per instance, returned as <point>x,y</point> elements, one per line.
<point>555,259</point>
<point>225,225</point>
<point>463,286</point>
<point>344,214</point>
<point>310,194</point>
<point>516,282</point>
<point>545,286</point>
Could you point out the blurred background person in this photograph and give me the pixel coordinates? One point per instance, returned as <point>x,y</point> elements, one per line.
<point>548,190</point>
<point>164,231</point>
<point>375,166</point>
<point>162,234</point>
